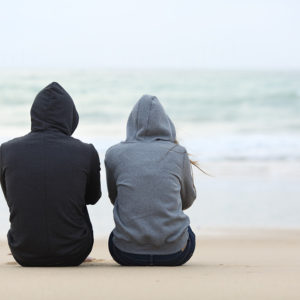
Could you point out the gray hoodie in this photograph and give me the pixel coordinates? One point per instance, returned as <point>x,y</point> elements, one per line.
<point>149,182</point>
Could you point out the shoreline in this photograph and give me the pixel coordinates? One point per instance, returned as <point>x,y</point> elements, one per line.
<point>227,264</point>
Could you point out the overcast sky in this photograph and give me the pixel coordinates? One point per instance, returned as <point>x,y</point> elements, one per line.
<point>228,34</point>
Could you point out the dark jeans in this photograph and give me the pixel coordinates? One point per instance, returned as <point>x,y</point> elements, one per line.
<point>175,259</point>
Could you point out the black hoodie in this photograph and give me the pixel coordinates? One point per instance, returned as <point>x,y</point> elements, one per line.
<point>48,178</point>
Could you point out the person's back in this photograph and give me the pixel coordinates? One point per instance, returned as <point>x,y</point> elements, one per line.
<point>48,177</point>
<point>149,182</point>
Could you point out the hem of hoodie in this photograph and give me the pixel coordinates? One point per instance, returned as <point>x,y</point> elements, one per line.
<point>165,249</point>
<point>55,261</point>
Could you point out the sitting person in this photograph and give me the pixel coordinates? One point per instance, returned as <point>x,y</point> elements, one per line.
<point>48,178</point>
<point>150,183</point>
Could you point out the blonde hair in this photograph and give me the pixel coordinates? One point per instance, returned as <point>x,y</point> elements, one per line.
<point>194,162</point>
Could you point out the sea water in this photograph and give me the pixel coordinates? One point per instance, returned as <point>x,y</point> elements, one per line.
<point>243,127</point>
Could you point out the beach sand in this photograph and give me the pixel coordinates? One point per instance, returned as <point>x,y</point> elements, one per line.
<point>227,264</point>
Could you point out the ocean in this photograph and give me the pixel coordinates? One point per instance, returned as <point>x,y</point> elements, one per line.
<point>243,127</point>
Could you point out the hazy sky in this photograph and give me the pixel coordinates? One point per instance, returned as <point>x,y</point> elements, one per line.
<point>235,34</point>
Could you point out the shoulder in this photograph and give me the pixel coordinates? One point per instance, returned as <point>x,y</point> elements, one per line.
<point>114,150</point>
<point>80,143</point>
<point>178,149</point>
<point>178,154</point>
<point>13,142</point>
<point>83,146</point>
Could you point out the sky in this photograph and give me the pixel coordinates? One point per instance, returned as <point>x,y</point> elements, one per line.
<point>187,34</point>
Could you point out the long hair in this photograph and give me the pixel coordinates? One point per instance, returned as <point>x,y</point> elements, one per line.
<point>194,162</point>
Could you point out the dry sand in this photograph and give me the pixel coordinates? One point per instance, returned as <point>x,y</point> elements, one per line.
<point>228,264</point>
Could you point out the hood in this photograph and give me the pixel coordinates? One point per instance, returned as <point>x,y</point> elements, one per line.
<point>53,108</point>
<point>148,121</point>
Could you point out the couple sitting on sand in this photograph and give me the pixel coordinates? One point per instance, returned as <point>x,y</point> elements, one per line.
<point>48,178</point>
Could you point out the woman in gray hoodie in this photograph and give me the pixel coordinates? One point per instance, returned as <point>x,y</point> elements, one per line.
<point>150,183</point>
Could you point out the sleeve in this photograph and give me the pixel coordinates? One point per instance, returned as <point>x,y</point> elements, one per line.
<point>93,188</point>
<point>2,175</point>
<point>111,182</point>
<point>188,190</point>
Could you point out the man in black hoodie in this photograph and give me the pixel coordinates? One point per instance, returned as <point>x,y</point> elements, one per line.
<point>48,178</point>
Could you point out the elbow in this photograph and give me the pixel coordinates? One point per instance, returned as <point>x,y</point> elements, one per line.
<point>94,200</point>
<point>186,206</point>
<point>188,202</point>
<point>112,195</point>
<point>112,200</point>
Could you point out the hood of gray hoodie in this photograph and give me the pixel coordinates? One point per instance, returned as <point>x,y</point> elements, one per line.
<point>53,108</point>
<point>148,121</point>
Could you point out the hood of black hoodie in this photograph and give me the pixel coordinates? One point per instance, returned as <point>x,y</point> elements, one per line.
<point>53,108</point>
<point>149,121</point>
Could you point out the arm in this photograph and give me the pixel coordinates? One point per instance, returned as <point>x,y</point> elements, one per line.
<point>188,191</point>
<point>93,188</point>
<point>2,177</point>
<point>111,183</point>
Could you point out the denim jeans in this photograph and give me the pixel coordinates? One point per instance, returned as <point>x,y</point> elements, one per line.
<point>174,259</point>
